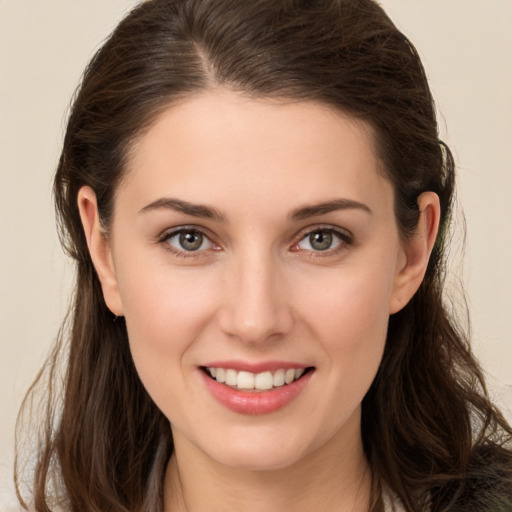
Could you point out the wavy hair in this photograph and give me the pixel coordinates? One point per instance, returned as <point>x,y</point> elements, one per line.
<point>430,432</point>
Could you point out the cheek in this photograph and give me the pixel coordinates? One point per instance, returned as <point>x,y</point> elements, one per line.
<point>167,306</point>
<point>348,313</point>
<point>350,302</point>
<point>165,313</point>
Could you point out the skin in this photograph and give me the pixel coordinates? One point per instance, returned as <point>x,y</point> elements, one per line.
<point>258,290</point>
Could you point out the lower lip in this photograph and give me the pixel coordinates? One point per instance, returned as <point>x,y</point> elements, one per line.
<point>256,402</point>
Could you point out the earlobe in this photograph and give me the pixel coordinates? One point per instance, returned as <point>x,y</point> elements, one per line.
<point>417,251</point>
<point>99,249</point>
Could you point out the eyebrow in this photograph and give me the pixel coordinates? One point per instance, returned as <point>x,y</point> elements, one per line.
<point>178,205</point>
<point>305,212</point>
<point>208,212</point>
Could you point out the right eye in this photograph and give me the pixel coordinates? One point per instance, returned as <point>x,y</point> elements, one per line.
<point>188,241</point>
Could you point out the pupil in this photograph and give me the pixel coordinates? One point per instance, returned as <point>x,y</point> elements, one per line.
<point>191,241</point>
<point>321,240</point>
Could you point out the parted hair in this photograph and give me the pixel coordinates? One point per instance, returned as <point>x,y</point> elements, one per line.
<point>431,434</point>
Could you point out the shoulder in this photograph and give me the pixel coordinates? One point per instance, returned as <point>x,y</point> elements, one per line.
<point>391,502</point>
<point>487,484</point>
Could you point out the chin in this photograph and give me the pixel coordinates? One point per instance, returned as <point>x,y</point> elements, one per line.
<point>250,460</point>
<point>259,451</point>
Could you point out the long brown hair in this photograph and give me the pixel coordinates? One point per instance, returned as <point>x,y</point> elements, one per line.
<point>430,433</point>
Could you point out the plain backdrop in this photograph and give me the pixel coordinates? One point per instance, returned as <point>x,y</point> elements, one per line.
<point>466,46</point>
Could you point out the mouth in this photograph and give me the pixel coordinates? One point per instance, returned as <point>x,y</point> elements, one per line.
<point>256,382</point>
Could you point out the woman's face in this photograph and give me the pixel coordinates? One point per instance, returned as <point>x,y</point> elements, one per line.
<point>256,240</point>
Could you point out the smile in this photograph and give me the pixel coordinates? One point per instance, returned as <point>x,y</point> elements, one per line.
<point>264,381</point>
<point>258,392</point>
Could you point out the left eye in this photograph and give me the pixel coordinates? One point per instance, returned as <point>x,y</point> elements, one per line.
<point>189,240</point>
<point>321,240</point>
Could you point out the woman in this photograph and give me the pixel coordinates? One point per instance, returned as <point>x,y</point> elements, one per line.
<point>257,202</point>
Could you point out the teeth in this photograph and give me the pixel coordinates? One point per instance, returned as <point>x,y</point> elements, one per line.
<point>220,374</point>
<point>245,380</point>
<point>289,376</point>
<point>231,377</point>
<point>264,381</point>
<point>259,381</point>
<point>279,378</point>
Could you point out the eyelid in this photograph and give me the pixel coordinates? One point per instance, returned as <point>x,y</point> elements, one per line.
<point>171,232</point>
<point>343,234</point>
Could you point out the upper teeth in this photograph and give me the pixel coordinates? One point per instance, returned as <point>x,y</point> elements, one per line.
<point>261,381</point>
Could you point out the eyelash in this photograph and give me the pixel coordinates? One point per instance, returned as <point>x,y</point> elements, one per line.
<point>345,239</point>
<point>164,240</point>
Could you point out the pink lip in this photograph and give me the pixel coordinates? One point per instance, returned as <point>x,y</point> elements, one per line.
<point>266,366</point>
<point>256,402</point>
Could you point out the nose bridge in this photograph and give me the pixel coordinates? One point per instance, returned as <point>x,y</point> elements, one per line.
<point>255,309</point>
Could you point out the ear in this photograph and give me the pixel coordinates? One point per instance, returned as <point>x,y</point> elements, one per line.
<point>417,251</point>
<point>99,249</point>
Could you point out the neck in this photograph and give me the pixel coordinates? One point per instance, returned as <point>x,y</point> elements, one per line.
<point>331,480</point>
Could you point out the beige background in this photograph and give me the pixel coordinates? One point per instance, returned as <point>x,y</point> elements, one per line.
<point>44,45</point>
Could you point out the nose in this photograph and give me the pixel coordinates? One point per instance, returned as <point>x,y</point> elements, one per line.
<point>256,308</point>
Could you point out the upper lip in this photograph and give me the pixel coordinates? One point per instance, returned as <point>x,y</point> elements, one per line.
<point>255,367</point>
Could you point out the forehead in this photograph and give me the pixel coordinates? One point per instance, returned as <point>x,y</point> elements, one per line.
<point>221,141</point>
